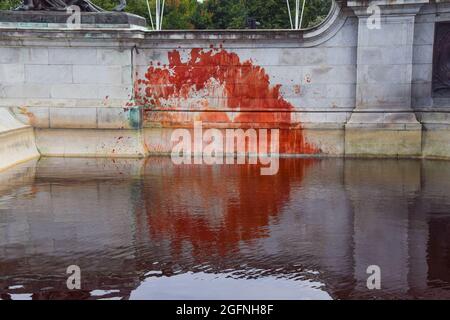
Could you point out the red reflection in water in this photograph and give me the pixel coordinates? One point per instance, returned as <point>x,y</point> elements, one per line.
<point>217,80</point>
<point>216,217</point>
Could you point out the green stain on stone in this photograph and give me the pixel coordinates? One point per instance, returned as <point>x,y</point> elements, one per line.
<point>135,117</point>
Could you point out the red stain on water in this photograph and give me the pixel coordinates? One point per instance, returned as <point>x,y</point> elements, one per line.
<point>214,83</point>
<point>218,215</point>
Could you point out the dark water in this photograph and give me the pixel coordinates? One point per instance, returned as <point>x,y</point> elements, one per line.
<point>150,229</point>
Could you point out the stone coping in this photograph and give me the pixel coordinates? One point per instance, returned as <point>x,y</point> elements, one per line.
<point>61,18</point>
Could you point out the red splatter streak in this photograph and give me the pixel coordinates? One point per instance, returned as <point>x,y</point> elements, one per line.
<point>240,86</point>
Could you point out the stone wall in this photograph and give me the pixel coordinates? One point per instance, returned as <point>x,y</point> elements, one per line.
<point>337,89</point>
<point>16,141</point>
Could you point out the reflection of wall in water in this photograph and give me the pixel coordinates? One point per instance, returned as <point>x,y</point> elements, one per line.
<point>336,216</point>
<point>382,231</point>
<point>72,217</point>
<point>432,209</point>
<point>315,226</point>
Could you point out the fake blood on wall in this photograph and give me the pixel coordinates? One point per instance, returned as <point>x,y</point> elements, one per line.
<point>221,90</point>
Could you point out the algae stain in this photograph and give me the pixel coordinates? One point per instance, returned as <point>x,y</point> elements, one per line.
<point>135,116</point>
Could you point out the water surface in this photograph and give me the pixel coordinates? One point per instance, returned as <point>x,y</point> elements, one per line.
<point>148,229</point>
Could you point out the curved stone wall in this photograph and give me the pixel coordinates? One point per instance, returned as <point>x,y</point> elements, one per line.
<point>16,141</point>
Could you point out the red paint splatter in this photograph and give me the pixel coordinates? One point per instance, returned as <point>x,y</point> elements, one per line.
<point>218,82</point>
<point>246,86</point>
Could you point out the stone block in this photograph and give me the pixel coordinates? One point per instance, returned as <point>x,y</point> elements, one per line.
<point>97,74</point>
<point>36,55</point>
<point>329,142</point>
<point>74,91</point>
<point>384,74</point>
<point>73,118</point>
<point>336,90</point>
<point>422,53</point>
<point>394,31</point>
<point>422,73</point>
<point>423,33</point>
<point>73,56</point>
<point>90,143</point>
<point>51,74</point>
<point>24,90</point>
<point>113,57</point>
<point>23,55</point>
<point>12,73</point>
<point>346,37</point>
<point>115,118</point>
<point>436,141</point>
<point>341,55</point>
<point>382,142</point>
<point>379,96</point>
<point>106,93</point>
<point>10,55</point>
<point>377,55</point>
<point>127,75</point>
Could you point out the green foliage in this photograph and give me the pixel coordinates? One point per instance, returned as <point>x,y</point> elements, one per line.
<point>9,4</point>
<point>218,14</point>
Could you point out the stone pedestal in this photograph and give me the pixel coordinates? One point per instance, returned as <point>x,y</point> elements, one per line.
<point>61,19</point>
<point>383,122</point>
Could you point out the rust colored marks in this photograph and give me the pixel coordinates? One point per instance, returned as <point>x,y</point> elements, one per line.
<point>308,78</point>
<point>220,88</point>
<point>31,117</point>
<point>106,101</point>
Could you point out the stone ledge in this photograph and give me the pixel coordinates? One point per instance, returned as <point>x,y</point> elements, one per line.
<point>104,143</point>
<point>16,141</point>
<point>385,126</point>
<point>17,146</point>
<point>378,142</point>
<point>80,117</point>
<point>383,120</point>
<point>55,19</point>
<point>435,141</point>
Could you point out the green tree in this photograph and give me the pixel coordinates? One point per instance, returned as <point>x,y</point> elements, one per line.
<point>9,4</point>
<point>230,14</point>
<point>178,14</point>
<point>270,14</point>
<point>218,14</point>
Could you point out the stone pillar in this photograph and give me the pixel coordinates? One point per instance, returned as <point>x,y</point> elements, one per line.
<point>383,122</point>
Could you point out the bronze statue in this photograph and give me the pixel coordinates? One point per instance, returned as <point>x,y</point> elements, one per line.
<point>61,5</point>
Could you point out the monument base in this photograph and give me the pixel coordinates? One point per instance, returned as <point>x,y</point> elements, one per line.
<point>17,143</point>
<point>59,19</point>
<point>383,135</point>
